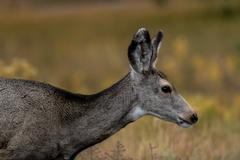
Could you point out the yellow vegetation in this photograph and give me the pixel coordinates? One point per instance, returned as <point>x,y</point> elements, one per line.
<point>87,51</point>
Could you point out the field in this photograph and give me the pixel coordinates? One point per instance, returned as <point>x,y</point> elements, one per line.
<point>84,49</point>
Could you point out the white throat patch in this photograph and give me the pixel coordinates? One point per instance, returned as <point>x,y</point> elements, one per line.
<point>136,113</point>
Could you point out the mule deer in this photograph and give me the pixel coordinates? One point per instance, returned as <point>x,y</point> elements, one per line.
<point>42,122</point>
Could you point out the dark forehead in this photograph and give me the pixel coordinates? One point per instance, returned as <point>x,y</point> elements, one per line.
<point>161,74</point>
<point>156,72</point>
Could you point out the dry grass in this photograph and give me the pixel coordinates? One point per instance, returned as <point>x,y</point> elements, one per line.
<point>86,52</point>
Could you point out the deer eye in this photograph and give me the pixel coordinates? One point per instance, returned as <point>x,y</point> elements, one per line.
<point>166,89</point>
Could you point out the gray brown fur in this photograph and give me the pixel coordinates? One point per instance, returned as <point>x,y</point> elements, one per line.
<point>42,122</point>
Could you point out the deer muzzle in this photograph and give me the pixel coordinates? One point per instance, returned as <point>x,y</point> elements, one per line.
<point>187,120</point>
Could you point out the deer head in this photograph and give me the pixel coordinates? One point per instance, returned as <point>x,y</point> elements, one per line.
<point>155,93</point>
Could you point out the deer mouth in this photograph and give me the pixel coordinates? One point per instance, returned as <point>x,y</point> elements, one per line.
<point>183,123</point>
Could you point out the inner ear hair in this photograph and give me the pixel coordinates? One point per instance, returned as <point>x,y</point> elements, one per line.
<point>156,44</point>
<point>140,51</point>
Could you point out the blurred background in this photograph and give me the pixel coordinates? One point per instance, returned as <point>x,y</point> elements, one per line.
<point>81,45</point>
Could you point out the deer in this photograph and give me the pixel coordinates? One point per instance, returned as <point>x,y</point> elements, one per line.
<point>41,122</point>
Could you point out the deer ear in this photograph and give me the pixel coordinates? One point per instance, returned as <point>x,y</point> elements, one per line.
<point>140,51</point>
<point>156,45</point>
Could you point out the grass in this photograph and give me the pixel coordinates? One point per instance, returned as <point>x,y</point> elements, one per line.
<point>85,51</point>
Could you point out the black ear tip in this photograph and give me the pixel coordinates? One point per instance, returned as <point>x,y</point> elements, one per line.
<point>160,35</point>
<point>142,35</point>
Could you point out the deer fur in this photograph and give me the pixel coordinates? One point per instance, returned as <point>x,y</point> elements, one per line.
<point>42,122</point>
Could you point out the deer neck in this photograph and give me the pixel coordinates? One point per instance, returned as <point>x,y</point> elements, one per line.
<point>105,114</point>
<point>113,105</point>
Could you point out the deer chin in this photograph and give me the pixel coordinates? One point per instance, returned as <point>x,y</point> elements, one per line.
<point>183,123</point>
<point>164,118</point>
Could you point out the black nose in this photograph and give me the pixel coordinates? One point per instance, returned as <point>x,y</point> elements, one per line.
<point>194,118</point>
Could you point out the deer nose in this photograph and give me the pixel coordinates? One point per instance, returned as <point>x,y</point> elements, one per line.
<point>194,118</point>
